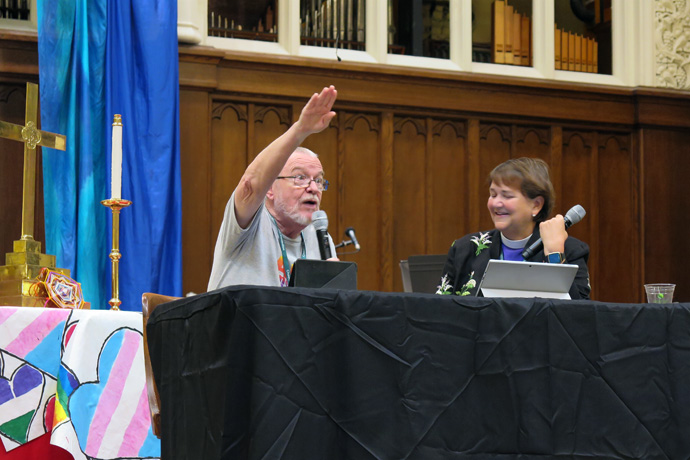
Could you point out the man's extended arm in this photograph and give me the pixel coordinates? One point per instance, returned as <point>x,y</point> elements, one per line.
<point>260,174</point>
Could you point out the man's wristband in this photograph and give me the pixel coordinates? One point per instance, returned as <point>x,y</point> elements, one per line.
<point>554,258</point>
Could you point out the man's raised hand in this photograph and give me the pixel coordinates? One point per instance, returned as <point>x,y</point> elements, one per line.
<point>317,114</point>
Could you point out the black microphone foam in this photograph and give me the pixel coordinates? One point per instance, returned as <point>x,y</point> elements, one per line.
<point>573,216</point>
<point>320,221</point>
<point>350,233</point>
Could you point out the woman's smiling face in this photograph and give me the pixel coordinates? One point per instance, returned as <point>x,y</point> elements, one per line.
<point>511,211</point>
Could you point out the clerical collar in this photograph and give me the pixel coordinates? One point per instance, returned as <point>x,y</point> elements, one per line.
<point>514,244</point>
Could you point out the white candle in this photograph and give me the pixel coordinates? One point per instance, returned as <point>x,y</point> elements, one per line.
<point>116,170</point>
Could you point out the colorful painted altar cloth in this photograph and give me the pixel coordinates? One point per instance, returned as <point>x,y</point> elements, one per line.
<point>78,374</point>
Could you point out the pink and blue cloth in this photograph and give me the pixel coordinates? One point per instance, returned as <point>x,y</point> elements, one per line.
<point>79,375</point>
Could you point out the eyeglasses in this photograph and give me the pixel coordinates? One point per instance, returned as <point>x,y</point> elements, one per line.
<point>301,180</point>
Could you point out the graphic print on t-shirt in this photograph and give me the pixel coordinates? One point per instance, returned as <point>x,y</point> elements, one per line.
<point>281,273</point>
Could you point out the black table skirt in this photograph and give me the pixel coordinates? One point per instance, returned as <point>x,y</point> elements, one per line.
<point>283,373</point>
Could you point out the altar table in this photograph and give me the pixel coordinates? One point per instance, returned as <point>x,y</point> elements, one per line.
<point>77,378</point>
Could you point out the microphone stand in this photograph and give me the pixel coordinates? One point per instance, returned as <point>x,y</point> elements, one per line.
<point>345,243</point>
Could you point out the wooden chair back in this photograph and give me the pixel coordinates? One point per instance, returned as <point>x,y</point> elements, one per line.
<point>149,301</point>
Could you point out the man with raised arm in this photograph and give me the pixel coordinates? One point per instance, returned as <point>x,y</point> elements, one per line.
<point>267,221</point>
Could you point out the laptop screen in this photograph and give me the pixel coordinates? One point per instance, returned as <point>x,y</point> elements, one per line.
<point>506,278</point>
<point>324,274</point>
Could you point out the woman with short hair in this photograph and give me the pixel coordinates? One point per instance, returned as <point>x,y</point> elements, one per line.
<point>521,198</point>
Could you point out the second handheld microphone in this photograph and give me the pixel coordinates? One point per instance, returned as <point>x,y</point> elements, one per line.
<point>320,221</point>
<point>573,216</point>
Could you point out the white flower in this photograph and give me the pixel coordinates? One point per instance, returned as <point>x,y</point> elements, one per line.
<point>482,242</point>
<point>444,288</point>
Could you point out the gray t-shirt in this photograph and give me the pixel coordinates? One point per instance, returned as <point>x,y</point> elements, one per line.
<point>253,255</point>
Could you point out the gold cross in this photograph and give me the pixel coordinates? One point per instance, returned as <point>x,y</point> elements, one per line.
<point>31,136</point>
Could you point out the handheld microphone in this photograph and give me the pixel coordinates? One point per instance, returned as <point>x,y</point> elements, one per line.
<point>320,221</point>
<point>573,216</point>
<point>350,232</point>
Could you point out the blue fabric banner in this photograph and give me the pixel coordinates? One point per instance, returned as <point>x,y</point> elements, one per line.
<point>98,58</point>
<point>71,50</point>
<point>142,84</point>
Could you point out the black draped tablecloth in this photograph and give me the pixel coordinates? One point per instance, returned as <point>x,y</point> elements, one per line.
<point>268,373</point>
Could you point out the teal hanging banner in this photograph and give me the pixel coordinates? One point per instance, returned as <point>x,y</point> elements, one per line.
<point>71,51</point>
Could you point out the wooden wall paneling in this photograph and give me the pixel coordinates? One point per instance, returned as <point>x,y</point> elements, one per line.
<point>295,111</point>
<point>196,166</point>
<point>640,137</point>
<point>666,218</point>
<point>229,139</point>
<point>19,57</point>
<point>390,268</point>
<point>361,205</point>
<point>270,121</point>
<point>617,224</point>
<point>12,110</point>
<point>11,169</point>
<point>495,148</point>
<point>578,187</point>
<point>410,188</point>
<point>251,147</point>
<point>448,209</point>
<point>428,181</point>
<point>636,208</point>
<point>594,212</point>
<point>474,172</point>
<point>532,142</point>
<point>660,164</point>
<point>556,163</point>
<point>338,176</point>
<point>382,86</point>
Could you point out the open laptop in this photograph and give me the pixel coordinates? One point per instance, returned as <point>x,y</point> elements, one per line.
<point>422,273</point>
<point>506,278</point>
<point>324,274</point>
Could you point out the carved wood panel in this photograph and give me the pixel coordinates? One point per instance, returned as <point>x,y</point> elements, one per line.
<point>579,187</point>
<point>619,224</point>
<point>12,107</point>
<point>410,188</point>
<point>269,123</point>
<point>447,169</point>
<point>360,193</point>
<point>533,142</point>
<point>198,234</point>
<point>229,154</point>
<point>666,220</point>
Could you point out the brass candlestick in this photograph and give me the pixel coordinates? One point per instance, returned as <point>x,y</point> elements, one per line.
<point>115,204</point>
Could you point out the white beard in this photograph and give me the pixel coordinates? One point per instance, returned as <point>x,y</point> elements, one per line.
<point>292,213</point>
